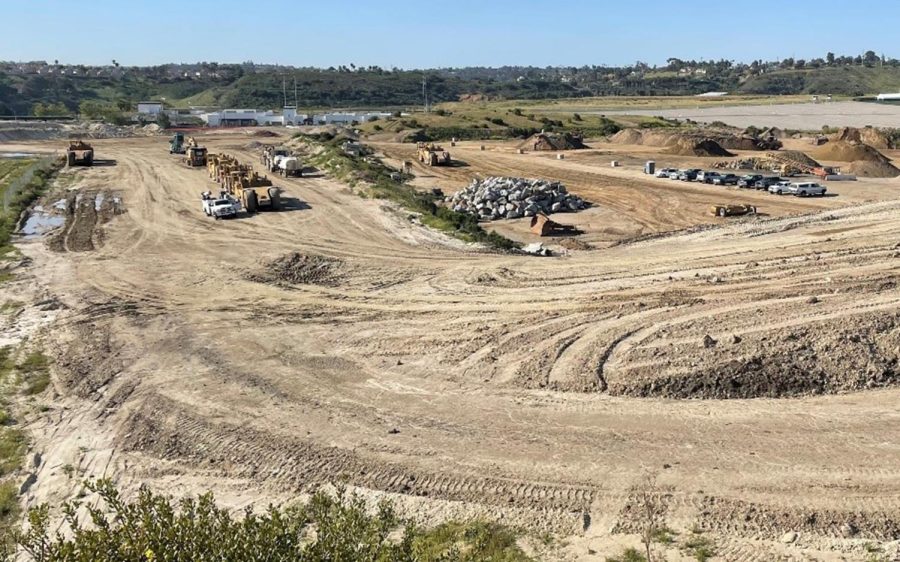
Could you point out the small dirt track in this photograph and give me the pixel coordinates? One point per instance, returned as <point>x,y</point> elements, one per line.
<point>537,388</point>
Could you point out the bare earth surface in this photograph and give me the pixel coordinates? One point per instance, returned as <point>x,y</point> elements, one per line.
<point>802,116</point>
<point>197,354</point>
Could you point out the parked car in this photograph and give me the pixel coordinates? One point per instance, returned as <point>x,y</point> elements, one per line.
<point>688,175</point>
<point>673,175</point>
<point>664,172</point>
<point>780,188</point>
<point>807,189</point>
<point>707,177</point>
<point>748,180</point>
<point>766,183</point>
<point>726,179</point>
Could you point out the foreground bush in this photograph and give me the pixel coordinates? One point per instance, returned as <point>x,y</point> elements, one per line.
<point>155,528</point>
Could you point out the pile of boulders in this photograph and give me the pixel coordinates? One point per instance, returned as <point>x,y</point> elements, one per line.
<point>513,198</point>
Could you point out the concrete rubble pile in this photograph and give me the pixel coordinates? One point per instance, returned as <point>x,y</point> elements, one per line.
<point>512,198</point>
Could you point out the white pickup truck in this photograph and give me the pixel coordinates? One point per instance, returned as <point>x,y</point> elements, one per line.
<point>807,189</point>
<point>220,208</point>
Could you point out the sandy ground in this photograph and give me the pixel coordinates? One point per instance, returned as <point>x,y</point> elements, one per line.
<point>461,382</point>
<point>803,116</point>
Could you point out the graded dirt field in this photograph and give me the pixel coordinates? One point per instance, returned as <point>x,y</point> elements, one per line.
<point>802,116</point>
<point>751,363</point>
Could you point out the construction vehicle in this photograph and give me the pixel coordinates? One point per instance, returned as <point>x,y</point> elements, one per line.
<point>253,191</point>
<point>432,155</point>
<point>732,210</point>
<point>79,153</point>
<point>282,161</point>
<point>176,145</point>
<point>195,156</point>
<point>542,225</point>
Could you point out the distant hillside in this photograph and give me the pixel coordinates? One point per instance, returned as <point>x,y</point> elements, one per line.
<point>39,87</point>
<point>844,80</point>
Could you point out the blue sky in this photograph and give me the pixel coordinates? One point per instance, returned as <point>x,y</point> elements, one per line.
<point>441,33</point>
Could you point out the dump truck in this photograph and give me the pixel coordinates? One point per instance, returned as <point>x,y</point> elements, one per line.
<point>732,210</point>
<point>432,155</point>
<point>254,192</point>
<point>176,145</point>
<point>195,156</point>
<point>79,153</point>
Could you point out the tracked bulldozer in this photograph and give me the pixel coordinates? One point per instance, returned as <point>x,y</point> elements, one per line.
<point>432,155</point>
<point>79,153</point>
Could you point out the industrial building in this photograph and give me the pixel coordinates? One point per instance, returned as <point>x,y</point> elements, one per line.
<point>288,116</point>
<point>149,107</point>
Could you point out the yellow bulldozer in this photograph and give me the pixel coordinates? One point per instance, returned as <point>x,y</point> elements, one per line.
<point>432,155</point>
<point>79,153</point>
<point>255,192</point>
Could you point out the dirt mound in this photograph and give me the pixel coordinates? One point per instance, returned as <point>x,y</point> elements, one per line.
<point>846,151</point>
<point>628,136</point>
<point>300,269</point>
<point>871,136</point>
<point>866,169</point>
<point>797,156</point>
<point>550,141</point>
<point>823,358</point>
<point>265,134</point>
<point>692,147</point>
<point>679,139</point>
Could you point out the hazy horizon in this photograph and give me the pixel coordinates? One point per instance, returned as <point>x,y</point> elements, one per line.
<point>399,33</point>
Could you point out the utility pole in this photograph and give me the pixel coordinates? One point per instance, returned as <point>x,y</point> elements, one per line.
<point>425,91</point>
<point>284,90</point>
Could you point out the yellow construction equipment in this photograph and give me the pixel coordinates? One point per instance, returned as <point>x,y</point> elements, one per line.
<point>195,157</point>
<point>255,192</point>
<point>432,155</point>
<point>79,153</point>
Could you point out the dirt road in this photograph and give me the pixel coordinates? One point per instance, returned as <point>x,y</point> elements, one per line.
<point>751,364</point>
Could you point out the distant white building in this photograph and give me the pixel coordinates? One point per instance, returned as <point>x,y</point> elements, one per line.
<point>251,117</point>
<point>288,116</point>
<point>149,107</point>
<point>888,97</point>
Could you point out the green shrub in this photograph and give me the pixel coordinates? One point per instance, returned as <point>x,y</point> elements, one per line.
<point>628,555</point>
<point>159,529</point>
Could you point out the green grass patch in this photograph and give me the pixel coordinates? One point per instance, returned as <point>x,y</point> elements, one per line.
<point>628,555</point>
<point>700,548</point>
<point>469,542</point>
<point>35,372</point>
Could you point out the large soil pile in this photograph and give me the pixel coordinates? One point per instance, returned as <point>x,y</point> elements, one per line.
<point>551,141</point>
<point>799,157</point>
<point>865,169</point>
<point>299,269</point>
<point>867,135</point>
<point>693,147</point>
<point>846,151</point>
<point>679,139</point>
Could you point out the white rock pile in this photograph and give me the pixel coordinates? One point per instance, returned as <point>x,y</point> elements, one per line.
<point>512,198</point>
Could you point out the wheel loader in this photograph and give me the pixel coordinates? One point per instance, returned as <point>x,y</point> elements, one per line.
<point>432,155</point>
<point>79,153</point>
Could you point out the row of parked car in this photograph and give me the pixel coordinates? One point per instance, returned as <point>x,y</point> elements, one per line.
<point>772,184</point>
